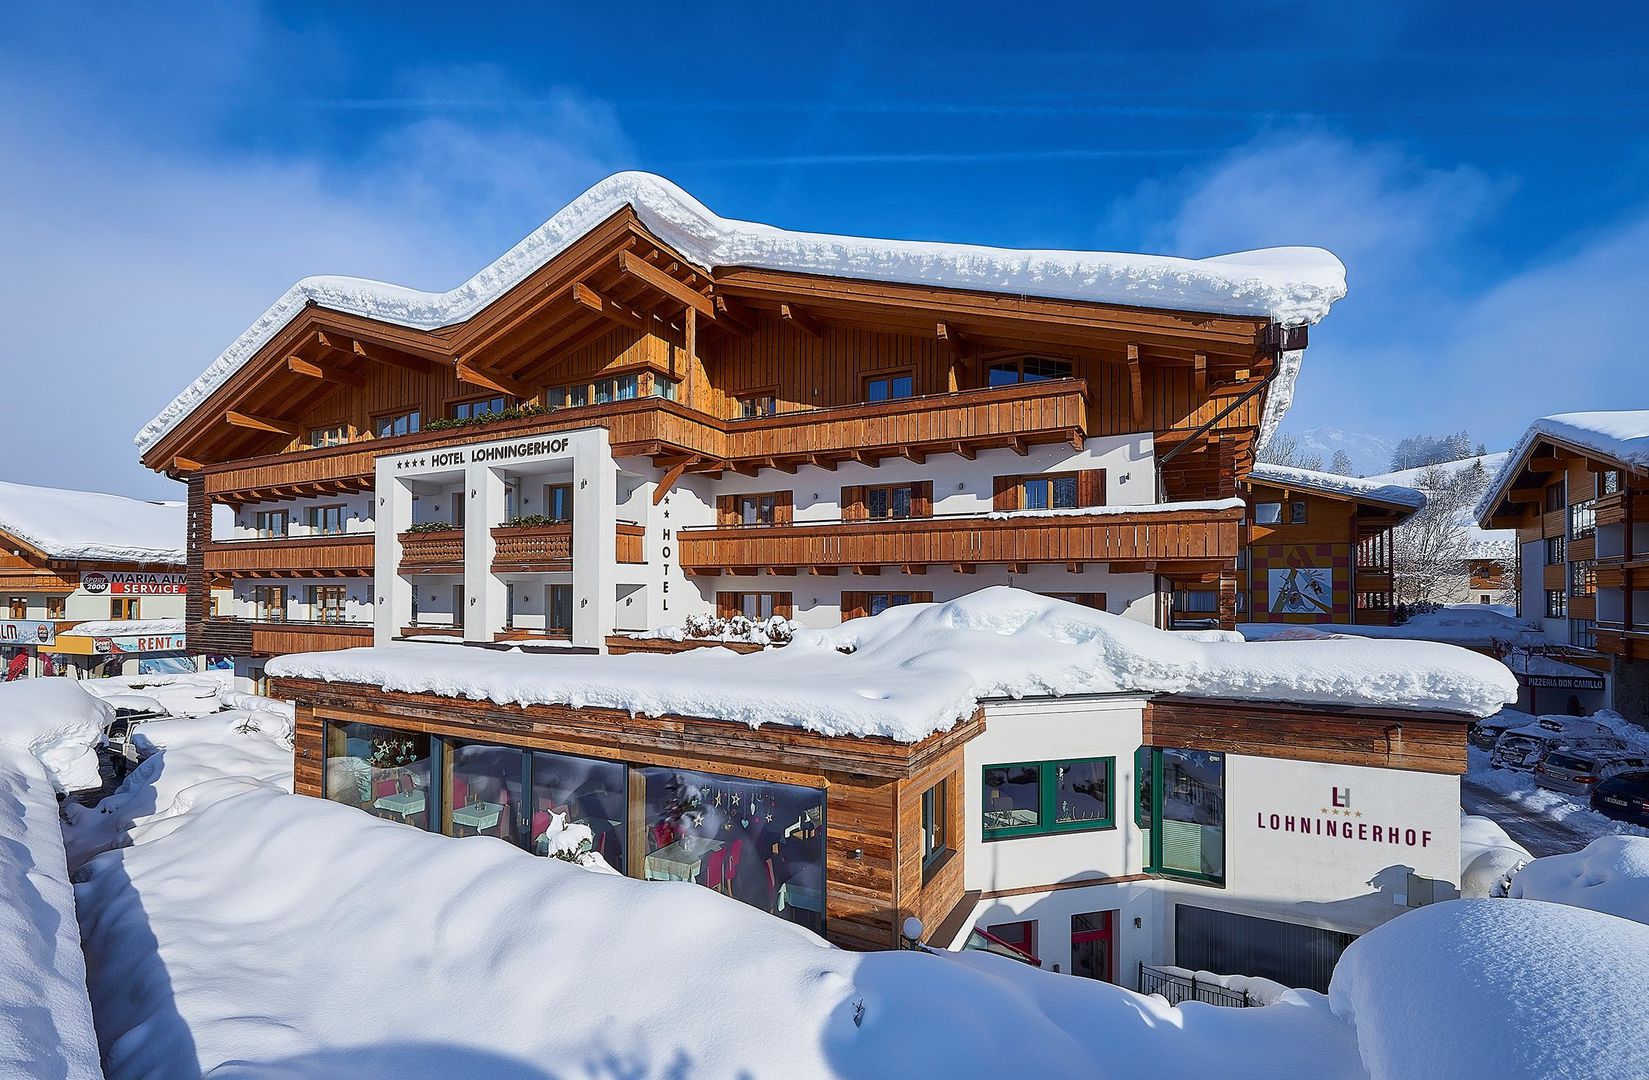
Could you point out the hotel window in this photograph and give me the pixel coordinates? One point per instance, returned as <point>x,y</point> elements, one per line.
<point>558,615</point>
<point>1094,600</point>
<point>125,607</point>
<point>763,404</point>
<point>1608,482</point>
<point>19,607</point>
<point>1268,513</point>
<point>56,607</point>
<point>889,387</point>
<point>558,502</point>
<point>757,508</point>
<point>1027,369</point>
<point>890,502</point>
<point>1557,604</point>
<point>1583,519</point>
<point>623,388</point>
<point>1048,493</point>
<point>1583,578</point>
<point>326,603</point>
<point>754,605</point>
<point>1186,789</point>
<point>479,407</point>
<point>334,435</point>
<point>403,423</point>
<point>269,602</point>
<point>1019,936</point>
<point>567,397</point>
<point>271,524</point>
<point>1037,798</point>
<point>1296,513</point>
<point>933,827</point>
<point>1555,497</point>
<point>662,388</point>
<point>1583,633</point>
<point>326,520</point>
<point>1557,550</point>
<point>856,605</point>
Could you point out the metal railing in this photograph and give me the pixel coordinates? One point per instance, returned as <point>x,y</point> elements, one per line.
<point>1181,988</point>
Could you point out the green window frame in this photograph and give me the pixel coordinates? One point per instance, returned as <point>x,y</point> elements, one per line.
<point>1047,793</point>
<point>1148,806</point>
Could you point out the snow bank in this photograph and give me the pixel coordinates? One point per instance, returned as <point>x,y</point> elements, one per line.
<point>114,627</point>
<point>921,668</point>
<point>1457,624</point>
<point>1488,857</point>
<point>89,525</point>
<point>179,695</point>
<point>1335,484</point>
<point>1610,875</point>
<point>45,1017</point>
<point>300,938</point>
<point>57,722</point>
<point>1617,436</point>
<point>1490,989</point>
<point>1291,285</point>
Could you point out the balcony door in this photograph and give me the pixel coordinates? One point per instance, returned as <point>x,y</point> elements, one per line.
<point>458,604</point>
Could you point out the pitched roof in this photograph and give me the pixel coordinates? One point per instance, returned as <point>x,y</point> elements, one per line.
<point>89,525</point>
<point>1339,487</point>
<point>1620,437</point>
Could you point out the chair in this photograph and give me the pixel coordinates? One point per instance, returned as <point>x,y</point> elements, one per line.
<point>460,791</point>
<point>383,788</point>
<point>715,871</point>
<point>540,825</point>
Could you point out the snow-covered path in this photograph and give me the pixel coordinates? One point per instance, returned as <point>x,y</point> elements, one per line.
<point>1541,834</point>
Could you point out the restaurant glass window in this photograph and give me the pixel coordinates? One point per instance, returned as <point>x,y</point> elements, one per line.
<point>559,610</point>
<point>1048,493</point>
<point>1027,369</point>
<point>269,602</point>
<point>475,408</point>
<point>332,435</point>
<point>326,603</point>
<point>889,502</point>
<point>1289,953</point>
<point>380,770</point>
<point>568,790</point>
<point>271,524</point>
<point>401,423</point>
<point>753,405</point>
<point>486,792</point>
<point>567,397</point>
<point>326,520</point>
<point>889,387</point>
<point>1188,840</point>
<point>761,843</point>
<point>623,388</point>
<point>1034,798</point>
<point>1583,519</point>
<point>56,607</point>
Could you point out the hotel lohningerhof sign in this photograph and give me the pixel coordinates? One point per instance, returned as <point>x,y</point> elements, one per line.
<point>133,583</point>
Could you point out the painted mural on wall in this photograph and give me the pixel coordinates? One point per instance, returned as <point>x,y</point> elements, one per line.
<point>1300,583</point>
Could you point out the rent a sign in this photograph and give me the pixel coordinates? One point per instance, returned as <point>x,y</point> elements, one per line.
<point>27,632</point>
<point>72,644</point>
<point>133,583</point>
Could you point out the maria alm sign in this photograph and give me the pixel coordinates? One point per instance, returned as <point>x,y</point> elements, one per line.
<point>133,583</point>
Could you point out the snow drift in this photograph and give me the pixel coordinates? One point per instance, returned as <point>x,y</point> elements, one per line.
<point>1610,875</point>
<point>921,668</point>
<point>57,722</point>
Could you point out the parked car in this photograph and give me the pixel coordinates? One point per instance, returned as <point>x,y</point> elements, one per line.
<point>1482,733</point>
<point>1624,797</point>
<point>1577,770</point>
<point>1522,749</point>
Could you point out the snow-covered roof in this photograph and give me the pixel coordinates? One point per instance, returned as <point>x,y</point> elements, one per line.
<point>118,627</point>
<point>1621,437</point>
<point>89,525</point>
<point>1292,285</point>
<point>918,669</point>
<point>1456,624</point>
<point>1334,484</point>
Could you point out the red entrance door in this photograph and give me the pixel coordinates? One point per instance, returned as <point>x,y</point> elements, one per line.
<point>1091,945</point>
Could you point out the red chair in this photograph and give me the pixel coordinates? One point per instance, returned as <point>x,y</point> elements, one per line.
<point>460,791</point>
<point>716,874</point>
<point>540,825</point>
<point>382,788</point>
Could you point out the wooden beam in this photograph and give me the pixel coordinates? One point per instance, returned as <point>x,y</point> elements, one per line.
<point>952,339</point>
<point>586,297</point>
<point>1199,367</point>
<point>690,340</point>
<point>1136,384</point>
<point>913,455</point>
<point>913,568</point>
<point>380,355</point>
<point>670,478</point>
<point>664,283</point>
<point>260,423</point>
<point>798,318</point>
<point>183,464</point>
<point>491,381</point>
<point>730,318</point>
<point>962,567</point>
<point>963,450</point>
<point>297,365</point>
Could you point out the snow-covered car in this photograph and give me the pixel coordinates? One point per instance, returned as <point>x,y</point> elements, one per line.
<point>1577,770</point>
<point>1483,733</point>
<point>1523,749</point>
<point>1624,797</point>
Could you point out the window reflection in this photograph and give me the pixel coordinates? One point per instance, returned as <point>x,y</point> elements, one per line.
<point>381,770</point>
<point>761,843</point>
<point>1191,810</point>
<point>583,791</point>
<point>485,785</point>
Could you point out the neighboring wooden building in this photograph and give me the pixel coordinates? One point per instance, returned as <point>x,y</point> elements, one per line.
<point>1576,489</point>
<point>622,435</point>
<point>1317,547</point>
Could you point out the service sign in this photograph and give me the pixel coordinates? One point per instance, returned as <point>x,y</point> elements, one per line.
<point>27,632</point>
<point>140,643</point>
<point>133,583</point>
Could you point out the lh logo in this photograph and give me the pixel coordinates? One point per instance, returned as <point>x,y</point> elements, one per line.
<point>1342,797</point>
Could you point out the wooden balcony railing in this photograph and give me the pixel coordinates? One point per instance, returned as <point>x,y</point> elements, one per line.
<point>1618,571</point>
<point>1612,508</point>
<point>631,548</point>
<point>225,636</point>
<point>349,555</point>
<point>1180,539</point>
<point>432,552</point>
<point>1626,642</point>
<point>1373,579</point>
<point>529,549</point>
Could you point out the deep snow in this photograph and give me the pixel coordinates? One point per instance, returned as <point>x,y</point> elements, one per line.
<point>58,723</point>
<point>89,525</point>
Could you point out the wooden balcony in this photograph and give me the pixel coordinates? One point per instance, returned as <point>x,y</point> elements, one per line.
<point>349,555</point>
<point>630,546</point>
<point>1620,573</point>
<point>224,636</point>
<point>432,552</point>
<point>1612,508</point>
<point>532,549</point>
<point>1180,540</point>
<point>1373,579</point>
<point>1615,639</point>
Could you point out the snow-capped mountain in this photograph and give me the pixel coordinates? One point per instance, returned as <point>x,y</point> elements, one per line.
<point>1369,454</point>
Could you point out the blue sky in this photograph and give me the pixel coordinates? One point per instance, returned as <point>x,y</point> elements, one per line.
<point>165,174</point>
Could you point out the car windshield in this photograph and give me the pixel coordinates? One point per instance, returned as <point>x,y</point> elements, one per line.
<point>1568,761</point>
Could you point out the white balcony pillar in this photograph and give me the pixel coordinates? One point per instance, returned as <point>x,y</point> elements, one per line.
<point>391,593</point>
<point>485,596</point>
<point>595,549</point>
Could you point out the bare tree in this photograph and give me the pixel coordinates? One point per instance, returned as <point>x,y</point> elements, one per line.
<point>1284,449</point>
<point>1430,551</point>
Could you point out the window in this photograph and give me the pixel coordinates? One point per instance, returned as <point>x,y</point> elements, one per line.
<point>933,827</point>
<point>326,520</point>
<point>478,407</point>
<point>326,603</point>
<point>1296,513</point>
<point>558,502</point>
<point>1608,482</point>
<point>56,607</point>
<point>1583,519</point>
<point>889,387</point>
<point>664,388</point>
<point>1197,601</point>
<point>1583,633</point>
<point>269,602</point>
<point>558,611</point>
<point>1095,600</point>
<point>1016,935</point>
<point>623,388</point>
<point>1037,798</point>
<point>1555,497</point>
<point>1268,513</point>
<point>381,770</point>
<point>19,606</point>
<point>763,404</point>
<point>889,502</point>
<point>754,605</point>
<point>859,604</point>
<point>1583,578</point>
<point>756,509</point>
<point>329,436</point>
<point>403,423</point>
<point>1187,792</point>
<point>1048,492</point>
<point>271,523</point>
<point>1026,369</point>
<point>879,602</point>
<point>1091,945</point>
<point>567,397</point>
<point>125,607</point>
<point>1290,953</point>
<point>1557,604</point>
<point>1557,550</point>
<point>1375,601</point>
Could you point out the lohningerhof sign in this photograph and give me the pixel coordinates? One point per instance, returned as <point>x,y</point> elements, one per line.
<point>133,583</point>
